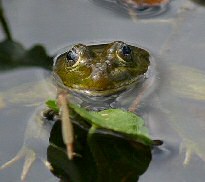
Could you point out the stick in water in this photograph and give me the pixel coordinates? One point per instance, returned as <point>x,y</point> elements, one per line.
<point>67,128</point>
<point>137,100</point>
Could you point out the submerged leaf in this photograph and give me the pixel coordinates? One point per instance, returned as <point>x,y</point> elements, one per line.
<point>104,157</point>
<point>118,159</point>
<point>13,54</point>
<point>187,82</point>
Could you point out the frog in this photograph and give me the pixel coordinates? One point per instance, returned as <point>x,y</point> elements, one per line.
<point>96,71</point>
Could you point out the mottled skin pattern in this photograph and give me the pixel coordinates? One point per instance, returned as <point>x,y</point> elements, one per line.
<point>101,69</point>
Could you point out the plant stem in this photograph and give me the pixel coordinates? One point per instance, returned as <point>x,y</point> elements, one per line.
<point>4,24</point>
<point>91,131</point>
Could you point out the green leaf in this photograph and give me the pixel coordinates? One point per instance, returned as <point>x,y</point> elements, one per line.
<point>117,120</point>
<point>52,105</point>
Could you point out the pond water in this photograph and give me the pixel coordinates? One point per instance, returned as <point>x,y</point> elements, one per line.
<point>173,110</point>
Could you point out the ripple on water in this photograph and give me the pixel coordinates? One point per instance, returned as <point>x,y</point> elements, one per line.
<point>145,8</point>
<point>135,8</point>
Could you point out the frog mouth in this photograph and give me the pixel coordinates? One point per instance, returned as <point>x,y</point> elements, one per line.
<point>110,91</point>
<point>96,92</point>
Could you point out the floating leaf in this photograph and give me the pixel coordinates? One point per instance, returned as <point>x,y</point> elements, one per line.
<point>52,105</point>
<point>117,120</point>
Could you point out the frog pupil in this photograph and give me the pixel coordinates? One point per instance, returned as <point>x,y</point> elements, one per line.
<point>126,50</point>
<point>72,56</point>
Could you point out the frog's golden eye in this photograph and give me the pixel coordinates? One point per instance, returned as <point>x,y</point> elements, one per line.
<point>72,57</point>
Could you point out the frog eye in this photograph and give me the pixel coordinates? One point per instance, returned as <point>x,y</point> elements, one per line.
<point>72,57</point>
<point>125,53</point>
<point>126,50</point>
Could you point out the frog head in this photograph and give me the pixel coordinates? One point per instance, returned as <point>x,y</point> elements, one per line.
<point>101,69</point>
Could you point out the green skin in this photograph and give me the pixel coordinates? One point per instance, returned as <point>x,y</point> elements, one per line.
<point>101,69</point>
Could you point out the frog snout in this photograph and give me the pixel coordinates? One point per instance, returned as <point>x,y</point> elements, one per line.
<point>99,71</point>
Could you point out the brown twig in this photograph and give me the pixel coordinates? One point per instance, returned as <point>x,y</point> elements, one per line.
<point>67,128</point>
<point>133,107</point>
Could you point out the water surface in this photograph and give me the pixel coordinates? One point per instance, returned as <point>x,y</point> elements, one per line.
<point>172,111</point>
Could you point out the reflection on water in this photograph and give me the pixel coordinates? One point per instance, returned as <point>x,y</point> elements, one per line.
<point>101,157</point>
<point>20,92</point>
<point>146,8</point>
<point>200,2</point>
<point>13,55</point>
<point>4,24</point>
<point>137,8</point>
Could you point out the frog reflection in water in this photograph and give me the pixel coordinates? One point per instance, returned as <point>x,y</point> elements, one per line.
<point>94,70</point>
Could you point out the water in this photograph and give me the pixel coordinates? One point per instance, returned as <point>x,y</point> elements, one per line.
<point>174,111</point>
<point>136,9</point>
